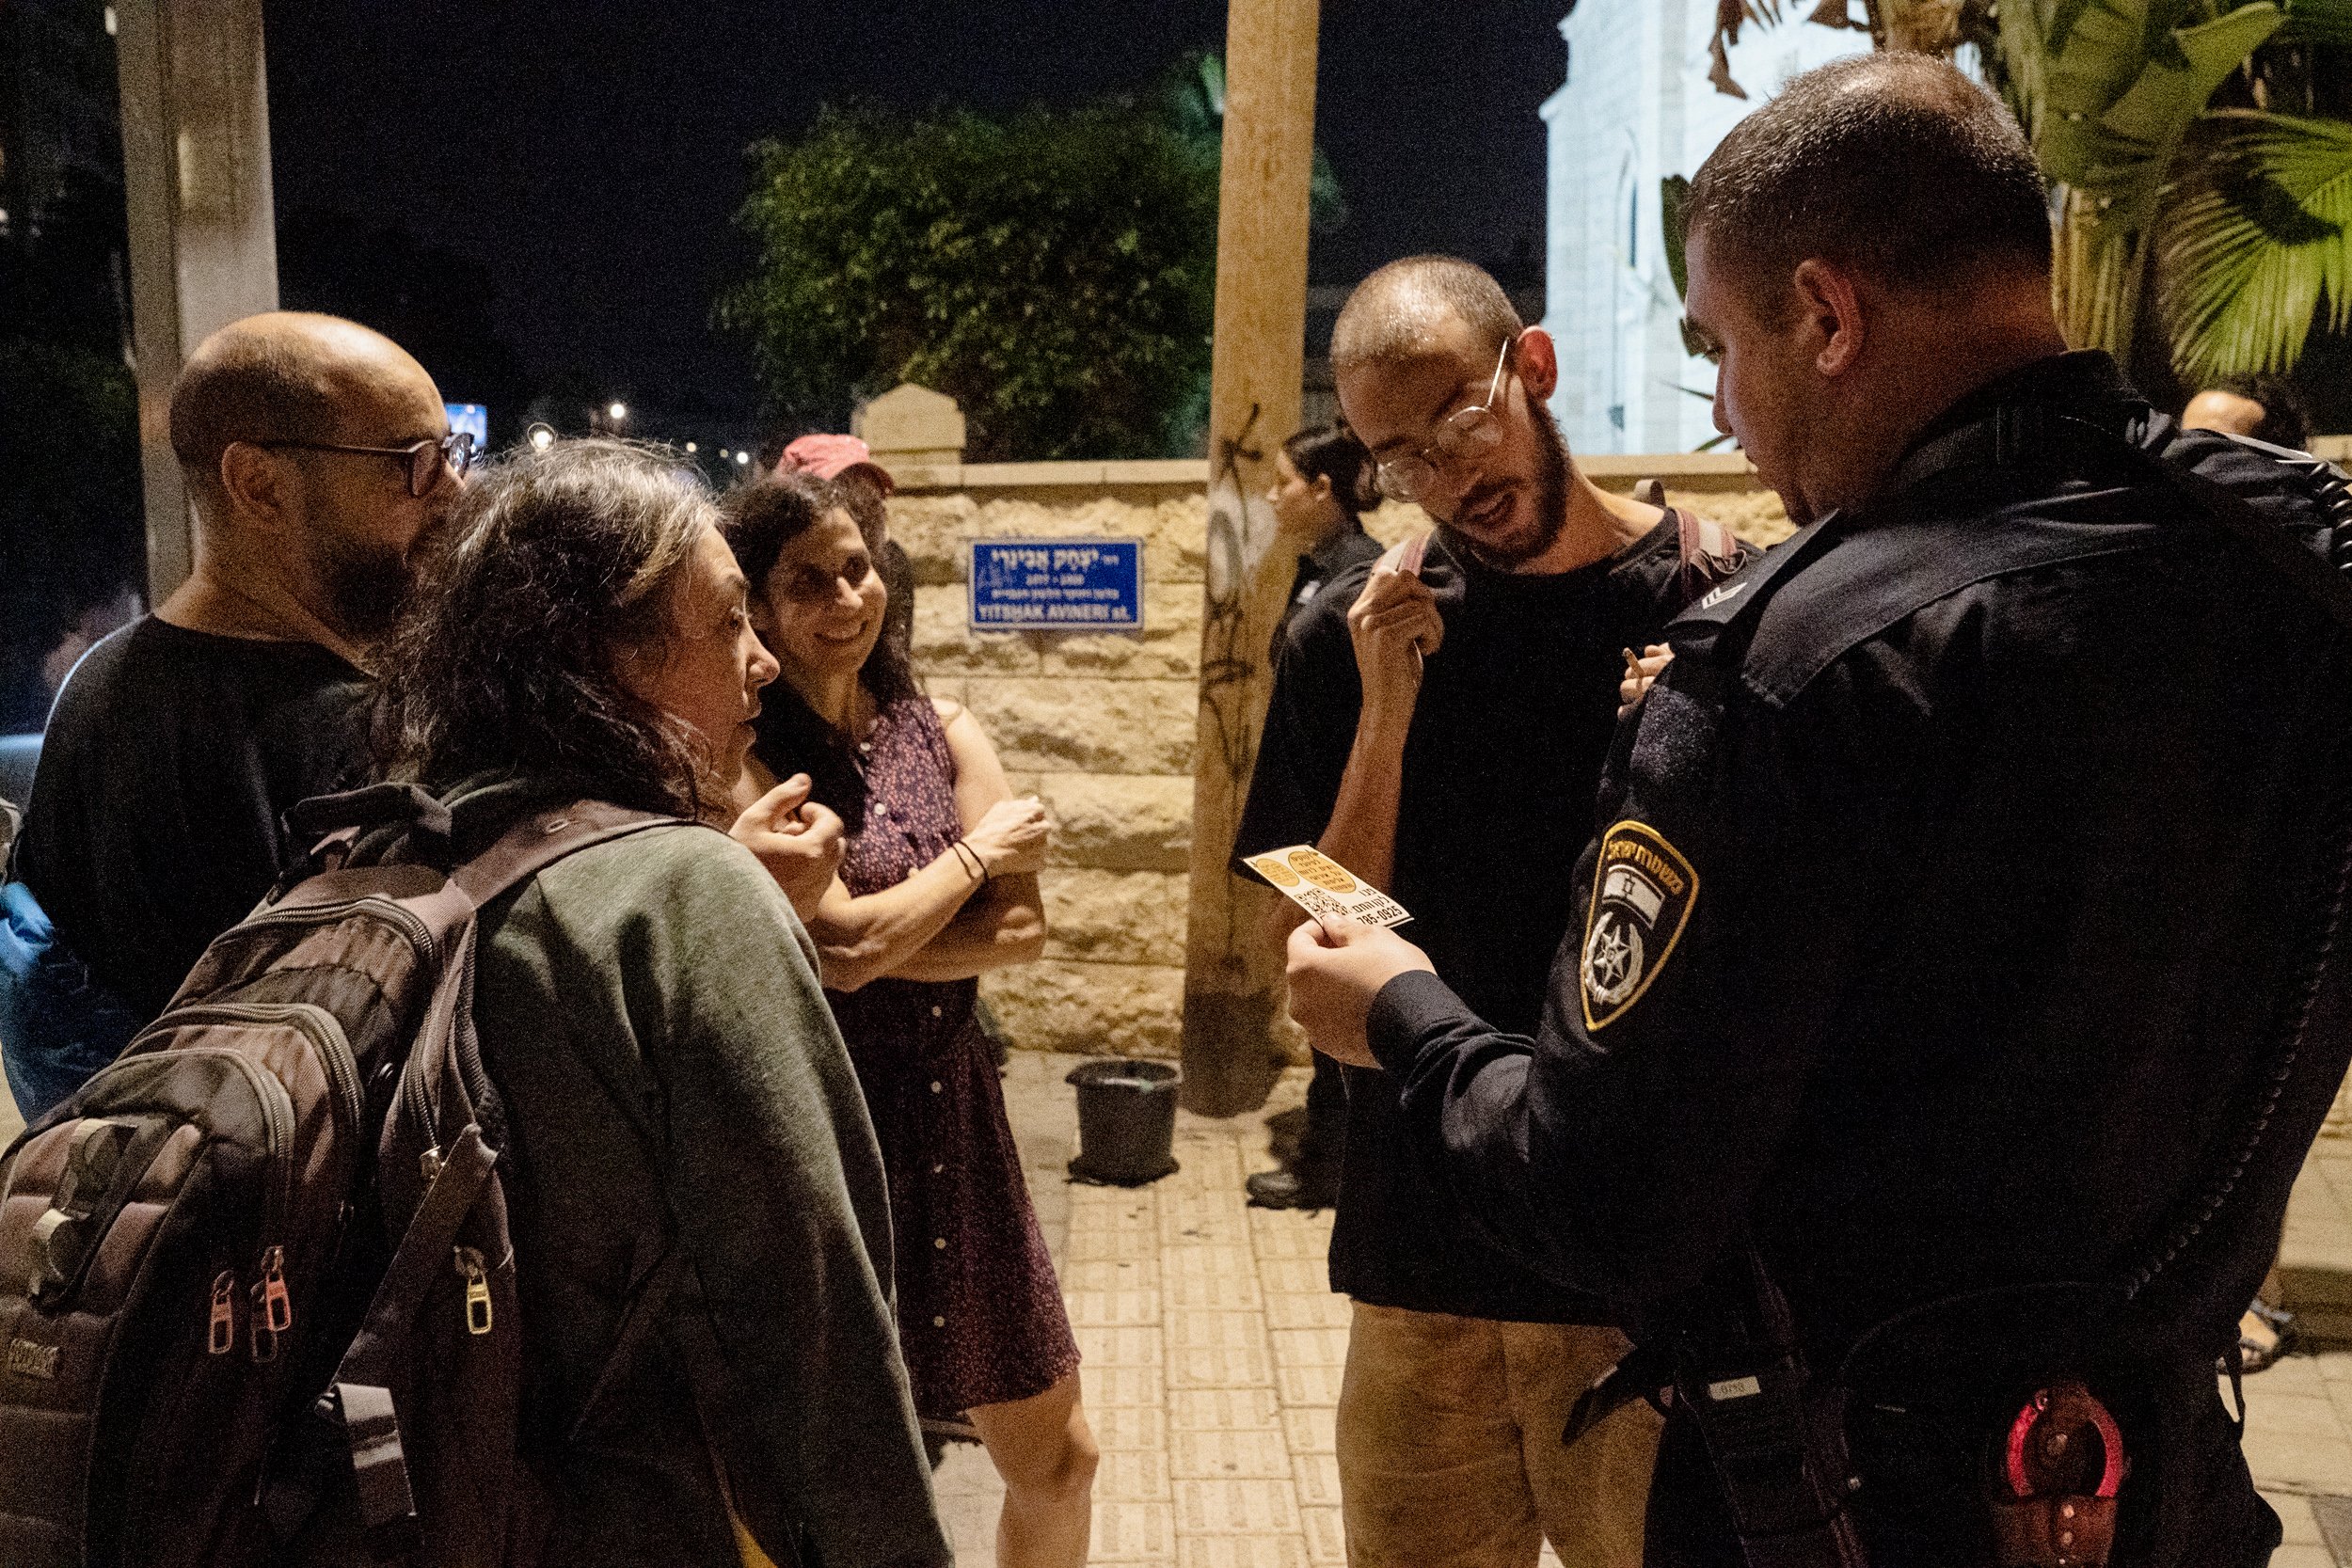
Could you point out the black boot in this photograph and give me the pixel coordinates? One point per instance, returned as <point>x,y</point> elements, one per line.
<point>1304,1186</point>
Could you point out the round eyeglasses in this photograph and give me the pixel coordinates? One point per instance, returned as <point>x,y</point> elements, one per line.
<point>425,459</point>
<point>1463,435</point>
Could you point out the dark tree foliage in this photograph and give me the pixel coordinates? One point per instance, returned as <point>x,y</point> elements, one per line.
<point>70,522</point>
<point>1054,272</point>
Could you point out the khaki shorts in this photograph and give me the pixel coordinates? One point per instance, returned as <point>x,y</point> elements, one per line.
<point>1450,1453</point>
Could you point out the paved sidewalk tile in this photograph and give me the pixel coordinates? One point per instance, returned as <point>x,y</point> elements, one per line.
<point>1214,1349</point>
<point>1223,1409</point>
<point>1133,1476</point>
<point>1260,1455</point>
<point>1237,1506</point>
<point>1294,1309</point>
<point>1241,1551</point>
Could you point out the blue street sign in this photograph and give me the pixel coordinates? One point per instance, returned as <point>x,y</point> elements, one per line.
<point>1057,584</point>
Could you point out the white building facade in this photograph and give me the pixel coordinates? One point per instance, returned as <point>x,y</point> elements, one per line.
<point>1635,108</point>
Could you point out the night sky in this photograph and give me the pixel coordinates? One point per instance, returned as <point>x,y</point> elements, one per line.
<point>591,156</point>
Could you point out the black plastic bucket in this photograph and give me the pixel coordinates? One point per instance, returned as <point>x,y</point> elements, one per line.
<point>1126,1121</point>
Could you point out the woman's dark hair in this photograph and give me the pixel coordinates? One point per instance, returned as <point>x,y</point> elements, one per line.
<point>759,520</point>
<point>552,567</point>
<point>1331,452</point>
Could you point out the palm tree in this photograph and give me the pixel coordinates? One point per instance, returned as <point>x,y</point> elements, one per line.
<point>2154,120</point>
<point>2203,144</point>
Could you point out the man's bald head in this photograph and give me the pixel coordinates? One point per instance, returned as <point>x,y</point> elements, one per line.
<point>280,521</point>
<point>1396,314</point>
<point>1894,165</point>
<point>284,375</point>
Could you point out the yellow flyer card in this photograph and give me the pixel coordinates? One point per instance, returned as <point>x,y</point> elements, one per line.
<point>1322,886</point>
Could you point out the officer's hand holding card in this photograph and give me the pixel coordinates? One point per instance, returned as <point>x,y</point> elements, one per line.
<point>1337,967</point>
<point>1342,957</point>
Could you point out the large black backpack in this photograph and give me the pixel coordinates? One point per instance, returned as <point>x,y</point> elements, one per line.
<point>257,1300</point>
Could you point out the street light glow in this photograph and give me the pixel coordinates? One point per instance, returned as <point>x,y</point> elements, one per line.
<point>690,448</point>
<point>742,458</point>
<point>541,437</point>
<point>619,411</point>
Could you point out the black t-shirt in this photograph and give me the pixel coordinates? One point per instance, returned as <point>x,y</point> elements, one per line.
<point>170,756</point>
<point>1502,765</point>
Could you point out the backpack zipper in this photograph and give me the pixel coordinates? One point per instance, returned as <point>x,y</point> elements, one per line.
<point>374,905</point>
<point>477,1276</point>
<point>324,1030</point>
<point>220,1329</point>
<point>273,1302</point>
<point>277,1118</point>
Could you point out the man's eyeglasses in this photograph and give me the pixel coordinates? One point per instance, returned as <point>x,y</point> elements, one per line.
<point>1466,433</point>
<point>425,459</point>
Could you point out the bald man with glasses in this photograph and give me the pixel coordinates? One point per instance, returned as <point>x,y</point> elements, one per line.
<point>315,451</point>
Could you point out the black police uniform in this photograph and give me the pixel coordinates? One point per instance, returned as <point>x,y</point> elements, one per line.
<point>1952,900</point>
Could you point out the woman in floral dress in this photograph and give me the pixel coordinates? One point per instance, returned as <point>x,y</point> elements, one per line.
<point>938,884</point>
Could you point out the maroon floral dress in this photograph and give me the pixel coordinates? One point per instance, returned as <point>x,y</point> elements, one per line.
<point>980,1315</point>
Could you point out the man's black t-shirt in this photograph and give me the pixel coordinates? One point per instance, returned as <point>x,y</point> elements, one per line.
<point>1502,765</point>
<point>170,756</point>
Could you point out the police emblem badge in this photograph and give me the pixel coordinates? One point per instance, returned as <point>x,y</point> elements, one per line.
<point>1643,890</point>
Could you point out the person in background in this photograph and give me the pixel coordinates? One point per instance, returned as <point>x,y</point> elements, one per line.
<point>116,608</point>
<point>315,452</point>
<point>1323,484</point>
<point>2269,409</point>
<point>938,886</point>
<point>2266,407</point>
<point>649,1011</point>
<point>865,488</point>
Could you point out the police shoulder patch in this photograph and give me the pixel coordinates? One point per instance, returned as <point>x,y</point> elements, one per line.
<point>1643,890</point>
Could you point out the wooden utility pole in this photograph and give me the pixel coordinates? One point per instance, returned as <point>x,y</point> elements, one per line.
<point>202,226</point>
<point>1232,978</point>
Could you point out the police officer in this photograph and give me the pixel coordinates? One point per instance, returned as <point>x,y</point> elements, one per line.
<point>1935,1047</point>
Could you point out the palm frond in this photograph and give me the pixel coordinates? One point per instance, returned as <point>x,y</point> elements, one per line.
<point>2258,243</point>
<point>2327,22</point>
<point>2122,109</point>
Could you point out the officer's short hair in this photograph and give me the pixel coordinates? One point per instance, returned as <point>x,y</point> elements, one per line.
<point>1392,314</point>
<point>1896,165</point>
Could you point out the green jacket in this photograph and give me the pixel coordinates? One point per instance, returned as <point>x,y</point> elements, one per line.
<point>649,1009</point>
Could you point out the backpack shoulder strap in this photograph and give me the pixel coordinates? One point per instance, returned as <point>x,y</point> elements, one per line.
<point>539,839</point>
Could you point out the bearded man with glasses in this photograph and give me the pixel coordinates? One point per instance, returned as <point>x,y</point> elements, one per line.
<point>1439,726</point>
<point>315,451</point>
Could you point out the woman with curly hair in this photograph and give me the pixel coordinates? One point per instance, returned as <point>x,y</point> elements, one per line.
<point>649,1011</point>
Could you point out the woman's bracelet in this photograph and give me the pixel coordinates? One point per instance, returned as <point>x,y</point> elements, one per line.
<point>970,860</point>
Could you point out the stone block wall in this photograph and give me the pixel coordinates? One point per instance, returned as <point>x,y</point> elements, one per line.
<point>1099,725</point>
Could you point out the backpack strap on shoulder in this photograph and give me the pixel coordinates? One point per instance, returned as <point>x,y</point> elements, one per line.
<point>539,839</point>
<point>359,1399</point>
<point>1709,552</point>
